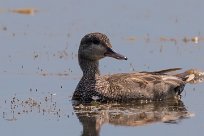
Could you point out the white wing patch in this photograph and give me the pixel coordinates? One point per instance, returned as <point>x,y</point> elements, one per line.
<point>169,78</point>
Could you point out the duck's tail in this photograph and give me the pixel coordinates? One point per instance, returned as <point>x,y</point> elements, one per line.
<point>192,76</point>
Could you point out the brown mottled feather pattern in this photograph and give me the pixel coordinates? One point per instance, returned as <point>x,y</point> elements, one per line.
<point>130,86</point>
<point>145,86</point>
<point>121,87</point>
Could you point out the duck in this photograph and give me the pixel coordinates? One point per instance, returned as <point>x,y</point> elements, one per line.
<point>121,87</point>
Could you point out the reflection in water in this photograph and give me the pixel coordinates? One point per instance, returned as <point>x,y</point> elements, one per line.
<point>93,117</point>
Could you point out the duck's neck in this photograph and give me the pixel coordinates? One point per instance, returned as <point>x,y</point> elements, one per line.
<point>90,68</point>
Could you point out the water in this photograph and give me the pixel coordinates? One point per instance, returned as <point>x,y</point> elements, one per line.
<point>39,69</point>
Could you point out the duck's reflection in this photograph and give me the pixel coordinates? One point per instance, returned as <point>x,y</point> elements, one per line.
<point>93,117</point>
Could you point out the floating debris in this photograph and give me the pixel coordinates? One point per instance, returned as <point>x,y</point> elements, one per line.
<point>26,11</point>
<point>167,39</point>
<point>131,38</point>
<point>195,40</point>
<point>190,39</point>
<point>35,55</point>
<point>4,28</point>
<point>45,73</point>
<point>17,107</point>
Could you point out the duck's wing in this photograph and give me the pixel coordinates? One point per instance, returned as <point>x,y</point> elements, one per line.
<point>150,86</point>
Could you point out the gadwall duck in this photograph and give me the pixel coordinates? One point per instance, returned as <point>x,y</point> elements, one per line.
<point>122,87</point>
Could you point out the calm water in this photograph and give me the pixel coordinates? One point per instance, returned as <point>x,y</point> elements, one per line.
<point>39,69</point>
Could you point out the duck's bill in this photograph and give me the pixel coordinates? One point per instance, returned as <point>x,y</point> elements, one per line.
<point>113,54</point>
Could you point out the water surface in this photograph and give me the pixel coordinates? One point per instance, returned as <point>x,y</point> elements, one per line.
<point>39,69</point>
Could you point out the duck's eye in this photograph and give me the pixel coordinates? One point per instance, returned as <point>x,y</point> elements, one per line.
<point>96,41</point>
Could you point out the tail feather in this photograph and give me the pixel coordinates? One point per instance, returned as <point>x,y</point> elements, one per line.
<point>164,71</point>
<point>167,70</point>
<point>191,76</point>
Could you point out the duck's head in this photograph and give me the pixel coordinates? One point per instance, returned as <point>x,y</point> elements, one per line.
<point>95,46</point>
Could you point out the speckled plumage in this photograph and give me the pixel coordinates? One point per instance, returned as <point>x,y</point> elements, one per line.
<point>122,87</point>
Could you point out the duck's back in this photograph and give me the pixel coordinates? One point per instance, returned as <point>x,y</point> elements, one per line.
<point>140,86</point>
